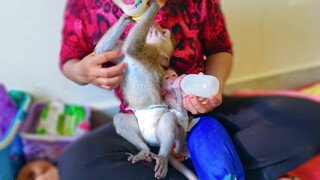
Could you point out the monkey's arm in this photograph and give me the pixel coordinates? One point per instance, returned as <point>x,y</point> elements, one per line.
<point>137,36</point>
<point>110,38</point>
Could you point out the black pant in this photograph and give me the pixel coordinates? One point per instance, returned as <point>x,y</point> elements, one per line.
<point>272,135</point>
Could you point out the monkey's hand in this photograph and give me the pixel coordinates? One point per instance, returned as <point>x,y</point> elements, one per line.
<point>143,155</point>
<point>154,4</point>
<point>125,17</point>
<point>161,167</point>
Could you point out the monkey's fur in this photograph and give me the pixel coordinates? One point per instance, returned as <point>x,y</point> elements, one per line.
<point>146,54</point>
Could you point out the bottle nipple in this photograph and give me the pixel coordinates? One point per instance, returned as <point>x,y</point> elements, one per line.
<point>200,85</point>
<point>135,18</point>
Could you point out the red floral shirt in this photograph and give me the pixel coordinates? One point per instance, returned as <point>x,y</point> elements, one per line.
<point>198,28</point>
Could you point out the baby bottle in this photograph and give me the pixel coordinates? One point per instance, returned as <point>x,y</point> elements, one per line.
<point>200,85</point>
<point>133,8</point>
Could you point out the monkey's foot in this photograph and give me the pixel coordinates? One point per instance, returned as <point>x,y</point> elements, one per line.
<point>183,151</point>
<point>161,168</point>
<point>143,155</point>
<point>153,3</point>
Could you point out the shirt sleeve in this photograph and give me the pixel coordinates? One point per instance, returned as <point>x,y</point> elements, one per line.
<point>74,39</point>
<point>214,36</point>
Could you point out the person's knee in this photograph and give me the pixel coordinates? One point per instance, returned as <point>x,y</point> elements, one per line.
<point>212,151</point>
<point>208,124</point>
<point>211,121</point>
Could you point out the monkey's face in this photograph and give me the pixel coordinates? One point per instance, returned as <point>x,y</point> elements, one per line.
<point>168,79</point>
<point>161,39</point>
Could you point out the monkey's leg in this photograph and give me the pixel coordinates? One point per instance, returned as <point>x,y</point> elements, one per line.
<point>180,142</point>
<point>127,126</point>
<point>166,133</point>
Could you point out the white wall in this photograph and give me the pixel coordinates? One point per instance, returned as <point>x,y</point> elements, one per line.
<point>30,36</point>
<point>273,36</point>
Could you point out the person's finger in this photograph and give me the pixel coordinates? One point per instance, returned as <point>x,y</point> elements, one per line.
<point>112,71</point>
<point>205,101</point>
<point>100,81</point>
<point>92,54</point>
<point>108,56</point>
<point>188,105</point>
<point>108,87</point>
<point>197,104</point>
<point>214,101</point>
<point>202,99</point>
<point>109,83</point>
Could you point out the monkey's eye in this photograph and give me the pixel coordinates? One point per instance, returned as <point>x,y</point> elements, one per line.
<point>165,33</point>
<point>167,77</point>
<point>174,75</point>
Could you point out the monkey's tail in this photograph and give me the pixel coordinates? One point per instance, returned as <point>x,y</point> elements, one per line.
<point>182,168</point>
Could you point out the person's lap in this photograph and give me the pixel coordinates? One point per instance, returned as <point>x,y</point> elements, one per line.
<point>103,153</point>
<point>272,134</point>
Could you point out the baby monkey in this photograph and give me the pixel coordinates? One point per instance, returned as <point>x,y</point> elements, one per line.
<point>147,49</point>
<point>172,94</point>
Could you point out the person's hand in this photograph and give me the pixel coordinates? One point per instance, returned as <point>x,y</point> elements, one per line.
<point>197,105</point>
<point>93,72</point>
<point>90,70</point>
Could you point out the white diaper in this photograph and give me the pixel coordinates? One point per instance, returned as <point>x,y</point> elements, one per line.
<point>148,119</point>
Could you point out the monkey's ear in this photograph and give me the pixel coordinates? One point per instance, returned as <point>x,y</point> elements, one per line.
<point>164,60</point>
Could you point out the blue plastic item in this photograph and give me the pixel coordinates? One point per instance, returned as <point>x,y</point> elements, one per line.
<point>11,155</point>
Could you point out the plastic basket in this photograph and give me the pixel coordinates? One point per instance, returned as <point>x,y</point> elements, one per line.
<point>11,157</point>
<point>47,147</point>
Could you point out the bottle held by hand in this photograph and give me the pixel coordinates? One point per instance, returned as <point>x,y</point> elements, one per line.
<point>200,85</point>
